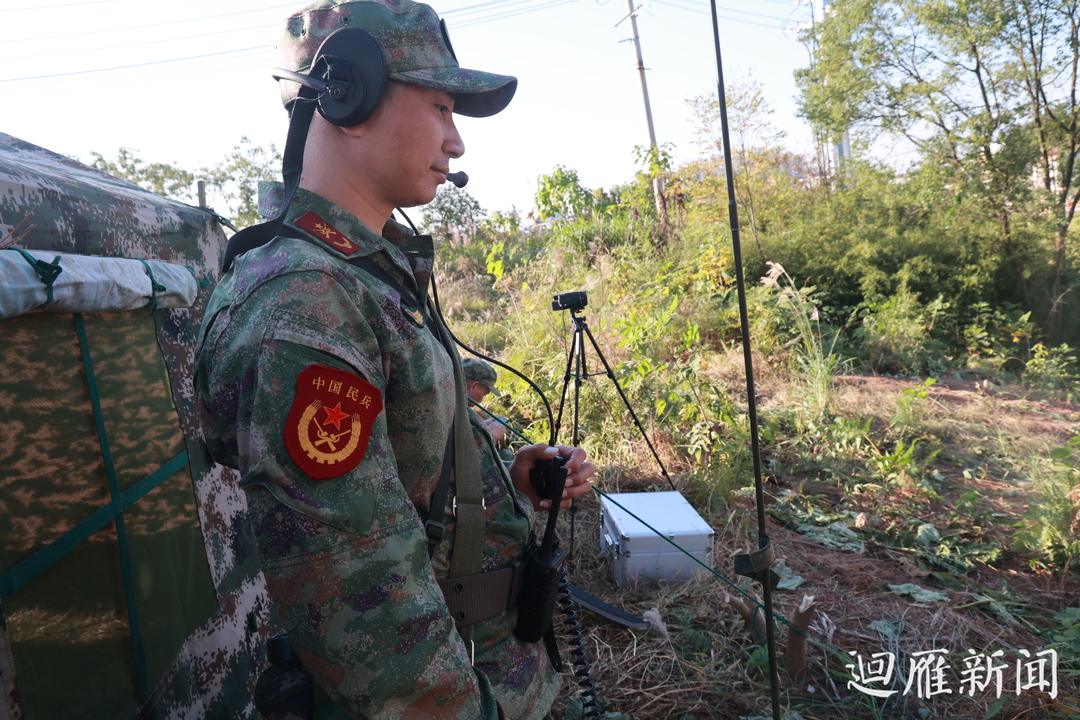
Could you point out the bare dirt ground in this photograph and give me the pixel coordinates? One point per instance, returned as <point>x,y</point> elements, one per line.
<point>704,662</point>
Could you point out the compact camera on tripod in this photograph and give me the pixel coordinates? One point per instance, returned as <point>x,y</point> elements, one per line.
<point>572,301</point>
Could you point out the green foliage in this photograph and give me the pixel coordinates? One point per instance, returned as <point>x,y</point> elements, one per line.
<point>455,216</point>
<point>897,334</point>
<point>655,160</point>
<point>975,87</point>
<point>997,331</point>
<point>1065,638</point>
<point>1052,368</point>
<point>233,181</point>
<point>814,359</point>
<point>909,405</point>
<point>1053,520</point>
<point>560,195</point>
<point>160,178</point>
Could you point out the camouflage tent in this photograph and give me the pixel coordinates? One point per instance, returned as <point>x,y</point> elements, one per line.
<point>128,585</point>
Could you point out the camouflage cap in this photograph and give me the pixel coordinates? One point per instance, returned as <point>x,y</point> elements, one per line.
<point>481,372</point>
<point>415,46</point>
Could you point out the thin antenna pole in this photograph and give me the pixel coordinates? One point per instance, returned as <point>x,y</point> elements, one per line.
<point>740,282</point>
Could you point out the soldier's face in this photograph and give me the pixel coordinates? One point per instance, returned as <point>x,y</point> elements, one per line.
<point>409,142</point>
<point>476,391</point>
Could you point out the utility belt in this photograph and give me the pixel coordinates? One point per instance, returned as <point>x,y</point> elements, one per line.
<point>473,598</point>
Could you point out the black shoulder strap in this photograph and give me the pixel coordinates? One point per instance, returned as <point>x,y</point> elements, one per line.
<point>373,268</point>
<point>292,165</point>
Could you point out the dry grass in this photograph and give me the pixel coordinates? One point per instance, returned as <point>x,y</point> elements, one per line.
<point>709,666</point>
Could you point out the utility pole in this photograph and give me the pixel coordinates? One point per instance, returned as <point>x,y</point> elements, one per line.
<point>658,182</point>
<point>841,149</point>
<point>641,71</point>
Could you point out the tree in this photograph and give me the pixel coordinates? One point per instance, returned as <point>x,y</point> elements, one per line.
<point>561,195</point>
<point>236,180</point>
<point>766,174</point>
<point>454,215</point>
<point>160,178</point>
<point>233,181</point>
<point>988,92</point>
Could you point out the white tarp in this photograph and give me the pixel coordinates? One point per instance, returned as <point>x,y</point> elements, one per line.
<point>91,284</point>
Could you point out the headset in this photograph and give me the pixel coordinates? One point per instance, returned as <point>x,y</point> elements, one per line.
<point>347,81</point>
<point>347,78</point>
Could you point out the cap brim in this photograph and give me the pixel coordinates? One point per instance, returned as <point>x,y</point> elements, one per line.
<point>494,390</point>
<point>476,93</point>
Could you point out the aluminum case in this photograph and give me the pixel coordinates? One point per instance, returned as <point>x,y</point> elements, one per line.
<point>637,553</point>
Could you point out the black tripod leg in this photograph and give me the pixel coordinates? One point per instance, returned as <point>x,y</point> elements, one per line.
<point>626,402</point>
<point>566,383</point>
<point>579,375</point>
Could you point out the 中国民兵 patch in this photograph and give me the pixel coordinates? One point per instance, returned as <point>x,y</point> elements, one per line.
<point>329,423</point>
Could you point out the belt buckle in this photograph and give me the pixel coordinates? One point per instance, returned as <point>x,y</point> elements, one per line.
<point>453,505</point>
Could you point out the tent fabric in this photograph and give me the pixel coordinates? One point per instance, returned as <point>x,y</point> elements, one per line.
<point>50,205</point>
<point>86,284</point>
<point>77,608</point>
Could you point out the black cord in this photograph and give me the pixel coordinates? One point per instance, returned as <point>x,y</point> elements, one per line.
<point>578,659</point>
<point>477,353</point>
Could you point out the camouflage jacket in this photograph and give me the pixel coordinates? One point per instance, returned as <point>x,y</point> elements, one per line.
<point>345,557</point>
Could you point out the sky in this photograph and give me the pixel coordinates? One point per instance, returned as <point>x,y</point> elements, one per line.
<point>182,83</point>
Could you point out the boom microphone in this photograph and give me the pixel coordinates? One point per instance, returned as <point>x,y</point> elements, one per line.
<point>459,178</point>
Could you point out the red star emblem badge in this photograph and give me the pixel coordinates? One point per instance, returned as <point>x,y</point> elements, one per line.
<point>334,415</point>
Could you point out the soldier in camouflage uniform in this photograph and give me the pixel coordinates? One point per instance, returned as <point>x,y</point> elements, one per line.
<point>324,383</point>
<point>480,379</point>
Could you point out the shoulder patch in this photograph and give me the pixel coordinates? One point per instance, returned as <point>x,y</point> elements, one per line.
<point>326,232</point>
<point>329,423</point>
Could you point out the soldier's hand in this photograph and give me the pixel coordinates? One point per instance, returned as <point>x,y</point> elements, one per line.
<point>497,430</point>
<point>578,470</point>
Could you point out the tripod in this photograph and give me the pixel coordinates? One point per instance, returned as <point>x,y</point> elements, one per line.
<point>577,369</point>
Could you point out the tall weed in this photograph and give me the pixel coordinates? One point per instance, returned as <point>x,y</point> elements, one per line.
<point>814,360</point>
<point>1052,524</point>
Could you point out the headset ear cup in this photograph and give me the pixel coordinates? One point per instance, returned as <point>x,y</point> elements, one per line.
<point>351,62</point>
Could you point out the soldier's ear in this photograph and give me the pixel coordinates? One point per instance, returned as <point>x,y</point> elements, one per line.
<point>354,131</point>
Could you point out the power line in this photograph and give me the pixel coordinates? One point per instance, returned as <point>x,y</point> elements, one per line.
<point>51,7</point>
<point>125,67</point>
<point>514,13</point>
<point>142,27</point>
<point>180,73</point>
<point>155,41</point>
<point>497,4</point>
<point>721,17</point>
<point>481,7</point>
<point>735,10</point>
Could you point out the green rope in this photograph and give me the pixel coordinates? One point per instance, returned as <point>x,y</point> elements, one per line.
<point>48,272</point>
<point>155,287</point>
<point>757,603</point>
<point>15,579</point>
<point>500,421</point>
<point>114,489</point>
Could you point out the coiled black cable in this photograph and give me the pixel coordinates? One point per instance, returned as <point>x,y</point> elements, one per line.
<point>579,661</point>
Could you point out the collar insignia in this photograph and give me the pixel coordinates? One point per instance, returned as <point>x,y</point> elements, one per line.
<point>326,232</point>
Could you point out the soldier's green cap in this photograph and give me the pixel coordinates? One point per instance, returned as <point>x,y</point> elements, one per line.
<point>415,46</point>
<point>481,372</point>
